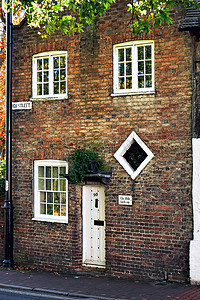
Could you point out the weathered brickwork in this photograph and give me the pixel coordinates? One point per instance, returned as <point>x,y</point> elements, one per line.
<point>150,237</point>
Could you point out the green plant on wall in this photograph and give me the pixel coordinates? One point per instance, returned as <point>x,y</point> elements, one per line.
<point>2,176</point>
<point>83,160</point>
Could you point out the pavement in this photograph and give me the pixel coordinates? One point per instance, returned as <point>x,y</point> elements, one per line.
<point>97,287</point>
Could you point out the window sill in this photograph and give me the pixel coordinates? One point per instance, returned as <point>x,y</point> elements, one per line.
<point>50,220</point>
<point>133,93</point>
<point>49,98</point>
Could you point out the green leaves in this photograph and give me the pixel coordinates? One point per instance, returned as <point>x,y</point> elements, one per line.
<point>68,15</point>
<point>80,160</point>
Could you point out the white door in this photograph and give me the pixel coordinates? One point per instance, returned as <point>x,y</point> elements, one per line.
<point>94,226</point>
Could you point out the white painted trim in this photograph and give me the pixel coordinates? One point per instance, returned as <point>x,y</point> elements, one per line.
<point>134,93</point>
<point>135,89</point>
<point>195,243</point>
<point>49,55</point>
<point>196,187</point>
<point>93,254</point>
<point>37,215</point>
<point>124,147</point>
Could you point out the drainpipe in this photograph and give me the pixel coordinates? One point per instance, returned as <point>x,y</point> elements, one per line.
<point>8,206</point>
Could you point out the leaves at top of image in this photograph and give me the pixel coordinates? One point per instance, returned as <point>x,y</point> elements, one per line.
<point>69,15</point>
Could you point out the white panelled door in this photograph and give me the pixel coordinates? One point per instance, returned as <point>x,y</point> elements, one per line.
<point>94,226</point>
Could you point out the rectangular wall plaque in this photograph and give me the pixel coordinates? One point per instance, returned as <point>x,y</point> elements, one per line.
<point>125,200</point>
<point>21,105</point>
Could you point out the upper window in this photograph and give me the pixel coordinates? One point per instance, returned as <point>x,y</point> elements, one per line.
<point>50,75</point>
<point>50,191</point>
<point>134,67</point>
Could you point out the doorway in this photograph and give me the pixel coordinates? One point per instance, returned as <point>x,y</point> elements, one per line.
<point>93,226</point>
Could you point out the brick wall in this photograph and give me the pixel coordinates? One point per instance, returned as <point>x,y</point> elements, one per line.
<point>151,236</point>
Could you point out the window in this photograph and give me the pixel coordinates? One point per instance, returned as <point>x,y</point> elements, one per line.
<point>50,191</point>
<point>134,67</point>
<point>50,75</point>
<point>133,155</point>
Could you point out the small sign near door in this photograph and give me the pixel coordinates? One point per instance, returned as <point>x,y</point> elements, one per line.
<point>125,200</point>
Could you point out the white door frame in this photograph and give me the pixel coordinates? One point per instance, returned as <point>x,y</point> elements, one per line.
<point>93,213</point>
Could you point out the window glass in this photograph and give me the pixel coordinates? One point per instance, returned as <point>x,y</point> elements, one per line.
<point>133,155</point>
<point>51,191</point>
<point>51,75</point>
<point>133,67</point>
<point>144,67</point>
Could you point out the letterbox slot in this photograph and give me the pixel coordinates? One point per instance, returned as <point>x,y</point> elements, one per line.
<point>98,222</point>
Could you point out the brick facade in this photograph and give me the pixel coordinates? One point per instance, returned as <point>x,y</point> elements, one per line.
<point>150,237</point>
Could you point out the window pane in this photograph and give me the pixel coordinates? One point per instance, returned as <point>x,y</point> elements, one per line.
<point>135,155</point>
<point>41,184</point>
<point>39,64</point>
<point>140,53</point>
<point>56,88</point>
<point>63,198</point>
<point>43,209</point>
<point>46,76</point>
<point>55,172</point>
<point>56,75</point>
<point>63,74</point>
<point>62,171</point>
<point>49,209</point>
<point>57,210</point>
<point>148,81</point>
<point>141,82</point>
<point>49,197</point>
<point>48,172</point>
<point>55,184</point>
<point>56,197</point>
<point>46,89</point>
<point>128,69</point>
<point>63,87</point>
<point>148,67</point>
<point>42,197</point>
<point>128,54</point>
<point>121,83</point>
<point>39,89</point>
<point>46,63</point>
<point>148,52</point>
<point>62,61</point>
<point>141,67</point>
<point>62,184</point>
<point>41,171</point>
<point>121,69</point>
<point>121,55</point>
<point>48,184</point>
<point>39,77</point>
<point>63,210</point>
<point>56,62</point>
<point>129,82</point>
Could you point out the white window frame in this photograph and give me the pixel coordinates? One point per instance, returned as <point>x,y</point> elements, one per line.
<point>49,55</point>
<point>119,155</point>
<point>37,215</point>
<point>134,90</point>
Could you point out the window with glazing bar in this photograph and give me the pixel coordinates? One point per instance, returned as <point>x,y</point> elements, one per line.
<point>50,190</point>
<point>50,75</point>
<point>134,67</point>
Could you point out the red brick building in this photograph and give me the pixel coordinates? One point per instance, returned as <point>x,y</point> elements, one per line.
<point>131,95</point>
